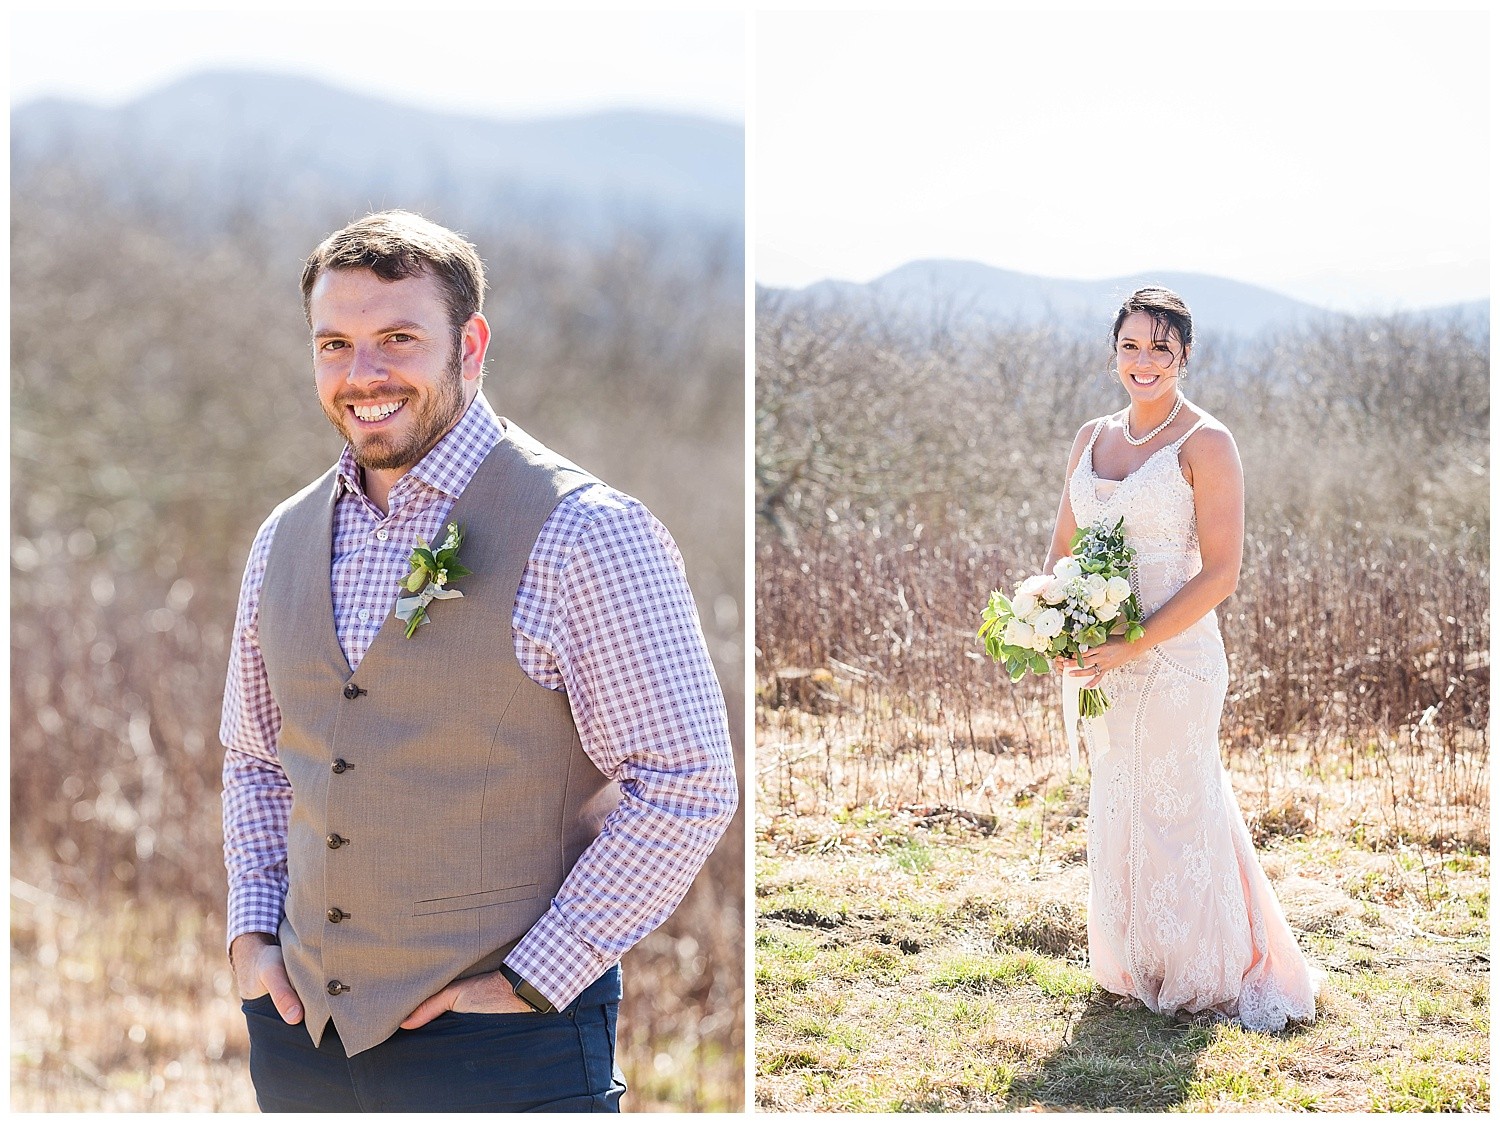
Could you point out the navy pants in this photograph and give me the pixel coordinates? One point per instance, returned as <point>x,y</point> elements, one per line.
<point>456,1062</point>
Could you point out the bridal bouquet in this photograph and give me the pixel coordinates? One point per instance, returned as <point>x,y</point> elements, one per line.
<point>1081,603</point>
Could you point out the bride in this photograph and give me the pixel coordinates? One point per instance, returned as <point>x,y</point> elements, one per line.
<point>1180,914</point>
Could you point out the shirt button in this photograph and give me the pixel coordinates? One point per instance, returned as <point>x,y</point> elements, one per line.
<point>382,534</point>
<point>364,615</point>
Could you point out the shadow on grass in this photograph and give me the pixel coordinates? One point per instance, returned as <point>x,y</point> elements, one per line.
<point>1116,1058</point>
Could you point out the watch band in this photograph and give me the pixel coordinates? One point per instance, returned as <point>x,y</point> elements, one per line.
<point>526,992</point>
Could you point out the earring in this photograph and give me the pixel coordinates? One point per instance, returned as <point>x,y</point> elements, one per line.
<point>1181,372</point>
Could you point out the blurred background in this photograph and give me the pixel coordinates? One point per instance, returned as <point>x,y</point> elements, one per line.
<point>169,173</point>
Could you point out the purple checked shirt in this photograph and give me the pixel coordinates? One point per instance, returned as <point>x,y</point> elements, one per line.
<point>603,612</point>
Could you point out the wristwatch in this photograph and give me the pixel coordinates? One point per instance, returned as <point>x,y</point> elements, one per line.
<point>527,993</point>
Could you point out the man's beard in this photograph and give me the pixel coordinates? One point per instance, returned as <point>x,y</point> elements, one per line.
<point>433,415</point>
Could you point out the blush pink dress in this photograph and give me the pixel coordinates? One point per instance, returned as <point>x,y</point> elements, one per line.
<point>1181,916</point>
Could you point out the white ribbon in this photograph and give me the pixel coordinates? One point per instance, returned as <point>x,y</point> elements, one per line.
<point>1071,689</point>
<point>1098,731</point>
<point>406,607</point>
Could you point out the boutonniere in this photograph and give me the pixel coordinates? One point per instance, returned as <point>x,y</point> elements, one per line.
<point>431,570</point>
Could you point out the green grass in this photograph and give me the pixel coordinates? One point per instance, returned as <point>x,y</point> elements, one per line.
<point>910,855</point>
<point>1404,1086</point>
<point>785,961</point>
<point>953,980</point>
<point>981,972</point>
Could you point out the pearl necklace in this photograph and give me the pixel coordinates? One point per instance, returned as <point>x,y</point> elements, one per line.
<point>1171,417</point>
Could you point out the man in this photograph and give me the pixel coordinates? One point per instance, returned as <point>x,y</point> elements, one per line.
<point>458,783</point>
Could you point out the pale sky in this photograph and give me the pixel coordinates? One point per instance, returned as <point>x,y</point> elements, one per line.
<point>1341,158</point>
<point>490,60</point>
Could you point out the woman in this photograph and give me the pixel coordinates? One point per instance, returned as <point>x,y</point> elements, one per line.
<point>1180,914</point>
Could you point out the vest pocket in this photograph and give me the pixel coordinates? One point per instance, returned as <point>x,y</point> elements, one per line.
<point>475,900</point>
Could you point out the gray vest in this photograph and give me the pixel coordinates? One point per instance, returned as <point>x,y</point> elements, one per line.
<point>439,796</point>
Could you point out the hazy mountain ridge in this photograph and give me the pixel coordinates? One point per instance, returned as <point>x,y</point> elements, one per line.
<point>972,293</point>
<point>246,133</point>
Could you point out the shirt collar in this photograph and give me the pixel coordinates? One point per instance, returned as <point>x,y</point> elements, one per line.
<point>451,463</point>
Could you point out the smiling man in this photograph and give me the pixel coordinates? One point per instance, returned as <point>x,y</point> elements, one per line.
<point>441,836</point>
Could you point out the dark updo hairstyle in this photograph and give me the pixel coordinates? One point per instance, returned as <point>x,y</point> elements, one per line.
<point>1167,310</point>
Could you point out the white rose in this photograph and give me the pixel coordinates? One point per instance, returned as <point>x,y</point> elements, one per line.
<point>1056,591</point>
<point>1018,633</point>
<point>1107,611</point>
<point>1024,605</point>
<point>1033,586</point>
<point>1040,644</point>
<point>1096,590</point>
<point>1117,589</point>
<point>1050,624</point>
<point>1067,567</point>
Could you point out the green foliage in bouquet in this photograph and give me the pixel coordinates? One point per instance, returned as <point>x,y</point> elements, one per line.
<point>1086,599</point>
<point>1101,549</point>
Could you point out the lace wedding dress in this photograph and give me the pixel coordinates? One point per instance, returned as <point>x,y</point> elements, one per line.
<point>1180,914</point>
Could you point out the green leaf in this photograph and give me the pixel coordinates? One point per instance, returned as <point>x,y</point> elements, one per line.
<point>425,557</point>
<point>456,570</point>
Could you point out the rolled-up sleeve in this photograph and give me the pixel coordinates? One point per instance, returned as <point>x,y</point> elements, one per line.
<point>626,645</point>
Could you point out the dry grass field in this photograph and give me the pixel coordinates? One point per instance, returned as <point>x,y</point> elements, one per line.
<point>119,1005</point>
<point>915,955</point>
<point>920,845</point>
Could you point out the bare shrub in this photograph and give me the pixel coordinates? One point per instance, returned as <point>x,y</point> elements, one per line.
<point>903,474</point>
<point>1365,427</point>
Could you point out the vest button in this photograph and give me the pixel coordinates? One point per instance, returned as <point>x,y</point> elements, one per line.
<point>335,841</point>
<point>351,691</point>
<point>336,987</point>
<point>342,765</point>
<point>336,915</point>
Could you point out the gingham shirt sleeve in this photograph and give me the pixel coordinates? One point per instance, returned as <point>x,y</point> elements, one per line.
<point>257,794</point>
<point>625,643</point>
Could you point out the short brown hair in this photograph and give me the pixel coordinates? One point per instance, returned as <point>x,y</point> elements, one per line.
<point>1168,311</point>
<point>399,244</point>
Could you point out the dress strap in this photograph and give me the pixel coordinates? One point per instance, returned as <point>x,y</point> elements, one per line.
<point>1182,440</point>
<point>1098,425</point>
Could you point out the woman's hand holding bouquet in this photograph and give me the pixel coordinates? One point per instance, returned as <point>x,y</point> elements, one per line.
<point>1084,600</point>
